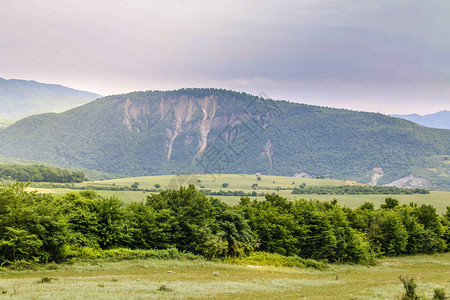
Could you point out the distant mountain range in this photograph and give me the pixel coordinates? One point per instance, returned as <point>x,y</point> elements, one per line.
<point>440,119</point>
<point>221,131</point>
<point>21,98</point>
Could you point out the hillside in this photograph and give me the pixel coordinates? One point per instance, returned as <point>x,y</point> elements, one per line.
<point>440,119</point>
<point>219,131</point>
<point>21,98</point>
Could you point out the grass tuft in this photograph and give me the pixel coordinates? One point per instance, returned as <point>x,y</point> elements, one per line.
<point>164,288</point>
<point>45,280</point>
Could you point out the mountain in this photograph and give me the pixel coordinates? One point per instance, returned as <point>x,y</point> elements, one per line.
<point>440,119</point>
<point>220,131</point>
<point>21,98</point>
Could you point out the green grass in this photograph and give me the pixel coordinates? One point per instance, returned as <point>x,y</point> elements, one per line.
<point>144,279</point>
<point>439,199</point>
<point>214,181</point>
<point>125,196</point>
<point>268,184</point>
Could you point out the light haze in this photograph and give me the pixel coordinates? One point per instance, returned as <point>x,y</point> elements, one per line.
<point>381,56</point>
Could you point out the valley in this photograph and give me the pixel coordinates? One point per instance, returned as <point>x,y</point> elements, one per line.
<point>224,149</point>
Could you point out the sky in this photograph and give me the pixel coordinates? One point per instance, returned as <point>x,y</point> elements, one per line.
<point>380,56</point>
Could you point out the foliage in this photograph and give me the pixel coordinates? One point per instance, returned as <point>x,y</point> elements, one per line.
<point>439,294</point>
<point>410,288</point>
<point>39,173</point>
<point>200,225</point>
<point>30,226</point>
<point>356,190</point>
<point>277,260</point>
<point>47,227</point>
<point>129,254</point>
<point>231,193</point>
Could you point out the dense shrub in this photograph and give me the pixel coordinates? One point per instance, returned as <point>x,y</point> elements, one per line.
<point>47,227</point>
<point>30,226</point>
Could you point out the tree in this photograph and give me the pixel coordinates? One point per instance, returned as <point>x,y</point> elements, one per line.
<point>135,185</point>
<point>390,203</point>
<point>225,185</point>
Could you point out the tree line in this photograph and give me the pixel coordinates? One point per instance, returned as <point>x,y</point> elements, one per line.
<point>48,227</point>
<point>39,173</point>
<point>356,190</point>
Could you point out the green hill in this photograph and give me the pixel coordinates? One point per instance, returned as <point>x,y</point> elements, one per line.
<point>220,131</point>
<point>21,98</point>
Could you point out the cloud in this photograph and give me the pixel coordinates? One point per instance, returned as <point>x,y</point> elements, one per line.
<point>369,53</point>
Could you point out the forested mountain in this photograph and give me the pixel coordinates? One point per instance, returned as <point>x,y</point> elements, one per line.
<point>21,98</point>
<point>441,119</point>
<point>220,131</point>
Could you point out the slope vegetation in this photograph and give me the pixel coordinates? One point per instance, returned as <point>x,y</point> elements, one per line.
<point>219,131</point>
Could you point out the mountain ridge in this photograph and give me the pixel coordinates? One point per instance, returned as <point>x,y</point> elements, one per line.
<point>21,98</point>
<point>220,131</point>
<point>440,119</point>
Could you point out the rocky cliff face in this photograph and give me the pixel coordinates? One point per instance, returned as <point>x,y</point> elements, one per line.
<point>190,114</point>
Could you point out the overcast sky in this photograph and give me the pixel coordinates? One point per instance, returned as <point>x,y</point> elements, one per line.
<point>381,56</point>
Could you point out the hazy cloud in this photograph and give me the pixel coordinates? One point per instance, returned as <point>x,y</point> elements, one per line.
<point>387,56</point>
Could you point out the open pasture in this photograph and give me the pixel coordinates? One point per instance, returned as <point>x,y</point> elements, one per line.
<point>173,279</point>
<point>215,181</point>
<point>267,184</point>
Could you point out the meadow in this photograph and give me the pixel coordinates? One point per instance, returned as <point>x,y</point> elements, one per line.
<point>178,279</point>
<point>267,184</point>
<point>103,278</point>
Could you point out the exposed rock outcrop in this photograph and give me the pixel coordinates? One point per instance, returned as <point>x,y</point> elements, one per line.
<point>410,182</point>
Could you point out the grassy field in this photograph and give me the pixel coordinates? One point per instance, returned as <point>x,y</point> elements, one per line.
<point>439,199</point>
<point>172,279</point>
<point>268,184</point>
<point>215,181</point>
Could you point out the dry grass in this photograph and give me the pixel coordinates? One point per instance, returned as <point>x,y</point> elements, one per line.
<point>144,279</point>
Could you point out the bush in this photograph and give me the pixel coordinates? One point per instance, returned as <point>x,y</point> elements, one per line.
<point>277,260</point>
<point>410,288</point>
<point>129,254</point>
<point>439,294</point>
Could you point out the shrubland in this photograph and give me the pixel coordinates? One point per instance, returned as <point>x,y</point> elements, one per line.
<point>186,223</point>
